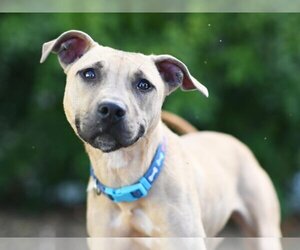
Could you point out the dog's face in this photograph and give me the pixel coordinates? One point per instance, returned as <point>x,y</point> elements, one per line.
<point>112,98</point>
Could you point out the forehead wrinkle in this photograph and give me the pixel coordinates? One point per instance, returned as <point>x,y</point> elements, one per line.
<point>146,71</point>
<point>98,65</point>
<point>118,68</point>
<point>116,73</point>
<point>128,67</point>
<point>139,74</point>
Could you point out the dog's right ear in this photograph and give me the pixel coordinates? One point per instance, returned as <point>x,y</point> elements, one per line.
<point>69,47</point>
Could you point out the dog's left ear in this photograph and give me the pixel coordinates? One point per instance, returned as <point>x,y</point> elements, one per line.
<point>69,47</point>
<point>175,74</point>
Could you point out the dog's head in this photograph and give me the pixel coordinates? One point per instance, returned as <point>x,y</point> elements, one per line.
<point>112,97</point>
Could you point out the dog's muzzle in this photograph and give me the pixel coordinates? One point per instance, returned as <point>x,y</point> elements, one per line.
<point>108,127</point>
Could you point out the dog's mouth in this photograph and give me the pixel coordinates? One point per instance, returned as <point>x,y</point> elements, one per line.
<point>108,140</point>
<point>107,143</point>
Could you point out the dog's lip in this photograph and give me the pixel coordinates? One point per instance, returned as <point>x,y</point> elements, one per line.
<point>105,140</point>
<point>96,141</point>
<point>106,146</point>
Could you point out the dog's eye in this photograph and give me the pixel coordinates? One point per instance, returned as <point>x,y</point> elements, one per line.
<point>88,74</point>
<point>144,85</point>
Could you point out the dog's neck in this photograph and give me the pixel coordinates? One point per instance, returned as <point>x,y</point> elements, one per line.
<point>125,166</point>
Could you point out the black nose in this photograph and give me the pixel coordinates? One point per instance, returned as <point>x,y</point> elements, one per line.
<point>111,112</point>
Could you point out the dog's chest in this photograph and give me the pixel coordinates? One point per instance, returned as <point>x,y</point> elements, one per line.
<point>132,222</point>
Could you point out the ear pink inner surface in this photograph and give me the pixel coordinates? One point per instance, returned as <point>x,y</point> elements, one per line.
<point>174,74</point>
<point>170,72</point>
<point>187,84</point>
<point>71,49</point>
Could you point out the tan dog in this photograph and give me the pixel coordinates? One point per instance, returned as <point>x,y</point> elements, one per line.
<point>113,102</point>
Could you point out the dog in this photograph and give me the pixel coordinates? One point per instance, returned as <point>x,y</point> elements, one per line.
<point>146,181</point>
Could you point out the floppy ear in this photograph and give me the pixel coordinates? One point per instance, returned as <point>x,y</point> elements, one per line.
<point>175,74</point>
<point>69,47</point>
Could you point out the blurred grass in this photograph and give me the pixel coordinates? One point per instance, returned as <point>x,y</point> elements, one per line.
<point>249,62</point>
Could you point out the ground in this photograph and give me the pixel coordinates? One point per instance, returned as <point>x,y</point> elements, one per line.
<point>71,223</point>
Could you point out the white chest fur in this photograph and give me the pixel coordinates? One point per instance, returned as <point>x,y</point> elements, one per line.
<point>136,221</point>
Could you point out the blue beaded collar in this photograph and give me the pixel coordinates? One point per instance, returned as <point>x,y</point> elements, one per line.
<point>139,189</point>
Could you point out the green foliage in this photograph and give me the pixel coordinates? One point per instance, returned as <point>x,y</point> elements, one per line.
<point>249,62</point>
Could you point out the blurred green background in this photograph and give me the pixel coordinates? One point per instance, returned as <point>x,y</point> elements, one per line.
<point>249,62</point>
